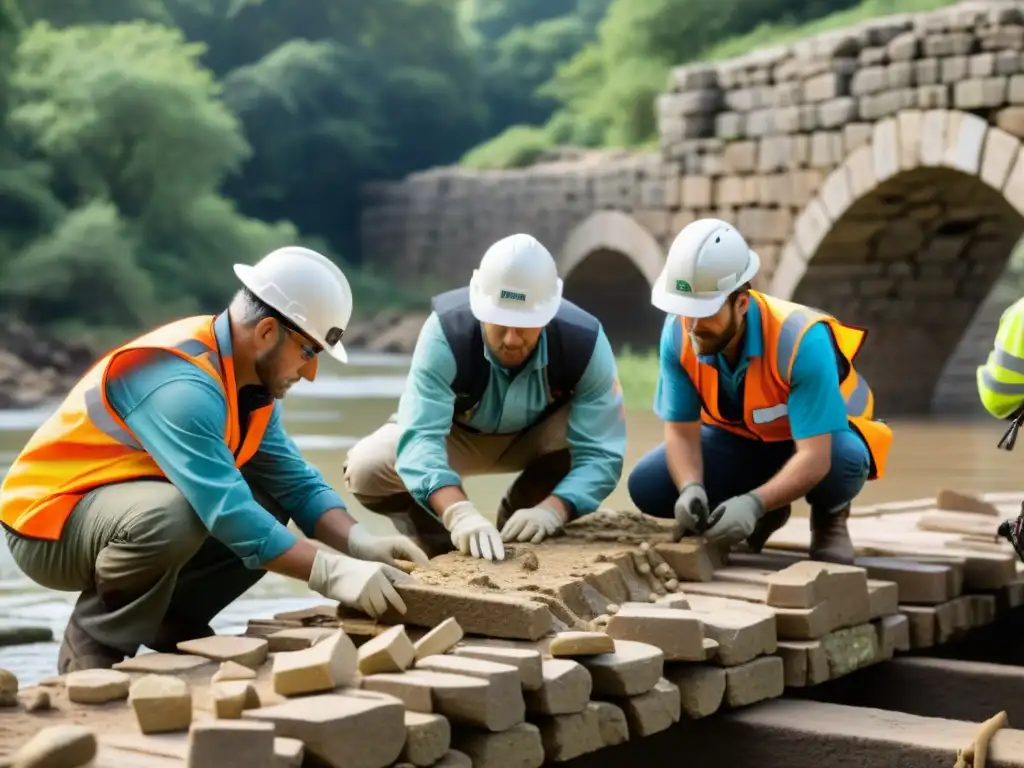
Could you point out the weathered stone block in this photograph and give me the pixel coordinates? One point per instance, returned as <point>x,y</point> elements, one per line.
<point>980,93</point>
<point>933,136</point>
<point>965,136</point>
<point>810,228</point>
<point>885,150</point>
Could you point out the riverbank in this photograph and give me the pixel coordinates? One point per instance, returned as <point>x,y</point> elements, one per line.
<point>36,368</point>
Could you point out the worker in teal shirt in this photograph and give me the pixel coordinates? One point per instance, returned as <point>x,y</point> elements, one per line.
<point>507,376</point>
<point>718,492</point>
<point>195,477</point>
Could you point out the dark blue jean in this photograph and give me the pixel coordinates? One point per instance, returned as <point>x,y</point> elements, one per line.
<point>735,465</point>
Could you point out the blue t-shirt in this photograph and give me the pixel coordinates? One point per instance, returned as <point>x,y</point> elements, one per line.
<point>177,412</point>
<point>816,405</point>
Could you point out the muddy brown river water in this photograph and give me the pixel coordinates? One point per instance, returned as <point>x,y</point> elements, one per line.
<point>327,417</point>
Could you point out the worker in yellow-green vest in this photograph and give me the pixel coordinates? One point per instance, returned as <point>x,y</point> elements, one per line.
<point>1001,389</point>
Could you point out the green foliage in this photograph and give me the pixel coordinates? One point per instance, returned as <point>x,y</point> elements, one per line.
<point>638,376</point>
<point>606,92</point>
<point>147,145</point>
<point>514,147</point>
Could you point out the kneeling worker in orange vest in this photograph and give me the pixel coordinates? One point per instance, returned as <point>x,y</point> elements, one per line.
<point>161,487</point>
<point>761,404</point>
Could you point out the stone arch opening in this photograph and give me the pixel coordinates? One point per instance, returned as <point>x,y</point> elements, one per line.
<point>907,239</point>
<point>608,284</point>
<point>609,263</point>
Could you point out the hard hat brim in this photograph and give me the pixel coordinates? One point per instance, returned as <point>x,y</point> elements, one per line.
<point>486,311</point>
<point>688,306</point>
<point>695,305</point>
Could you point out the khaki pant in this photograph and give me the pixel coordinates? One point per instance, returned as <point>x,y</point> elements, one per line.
<point>148,570</point>
<point>540,454</point>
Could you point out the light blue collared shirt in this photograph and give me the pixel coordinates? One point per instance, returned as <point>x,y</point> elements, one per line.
<point>597,423</point>
<point>177,412</point>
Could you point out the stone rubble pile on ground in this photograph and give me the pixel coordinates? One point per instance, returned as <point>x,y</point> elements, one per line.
<point>646,636</point>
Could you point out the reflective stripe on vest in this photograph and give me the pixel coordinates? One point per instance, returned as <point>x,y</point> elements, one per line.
<point>767,380</point>
<point>85,444</point>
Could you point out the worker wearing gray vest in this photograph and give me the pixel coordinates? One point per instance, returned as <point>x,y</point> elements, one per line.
<point>507,376</point>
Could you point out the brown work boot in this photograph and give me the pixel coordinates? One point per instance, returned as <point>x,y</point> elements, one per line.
<point>769,523</point>
<point>830,537</point>
<point>80,651</point>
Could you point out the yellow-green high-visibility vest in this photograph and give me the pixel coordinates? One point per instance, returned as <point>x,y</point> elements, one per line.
<point>1001,379</point>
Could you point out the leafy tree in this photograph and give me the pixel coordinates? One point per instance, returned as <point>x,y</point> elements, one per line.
<point>137,143</point>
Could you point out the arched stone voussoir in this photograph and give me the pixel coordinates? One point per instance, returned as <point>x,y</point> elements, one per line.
<point>612,231</point>
<point>905,142</point>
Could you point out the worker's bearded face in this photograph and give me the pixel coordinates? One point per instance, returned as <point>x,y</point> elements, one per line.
<point>273,370</point>
<point>511,347</point>
<point>711,335</point>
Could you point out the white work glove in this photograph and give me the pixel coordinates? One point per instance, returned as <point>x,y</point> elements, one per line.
<point>472,533</point>
<point>383,549</point>
<point>691,511</point>
<point>359,584</point>
<point>735,519</point>
<point>533,525</point>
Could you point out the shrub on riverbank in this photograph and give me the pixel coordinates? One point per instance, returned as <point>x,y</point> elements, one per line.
<point>638,375</point>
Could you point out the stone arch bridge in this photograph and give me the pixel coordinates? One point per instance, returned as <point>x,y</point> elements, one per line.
<point>878,171</point>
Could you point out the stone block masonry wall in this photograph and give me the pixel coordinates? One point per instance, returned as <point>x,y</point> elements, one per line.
<point>877,171</point>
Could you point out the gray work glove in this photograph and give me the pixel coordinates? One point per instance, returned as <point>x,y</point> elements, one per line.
<point>691,511</point>
<point>735,519</point>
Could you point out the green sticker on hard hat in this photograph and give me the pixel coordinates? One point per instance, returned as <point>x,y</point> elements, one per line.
<point>683,287</point>
<point>513,295</point>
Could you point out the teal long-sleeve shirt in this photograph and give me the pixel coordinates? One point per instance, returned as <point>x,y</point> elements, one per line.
<point>177,413</point>
<point>597,424</point>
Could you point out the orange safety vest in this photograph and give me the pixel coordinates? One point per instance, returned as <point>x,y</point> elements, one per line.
<point>85,444</point>
<point>766,391</point>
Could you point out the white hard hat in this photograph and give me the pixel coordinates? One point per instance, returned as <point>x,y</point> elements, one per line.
<point>517,284</point>
<point>708,260</point>
<point>307,289</point>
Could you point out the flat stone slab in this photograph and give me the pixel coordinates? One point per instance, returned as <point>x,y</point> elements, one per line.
<point>163,663</point>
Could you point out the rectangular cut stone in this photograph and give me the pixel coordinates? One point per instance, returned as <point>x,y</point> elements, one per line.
<point>836,197</point>
<point>909,132</point>
<point>811,227</point>
<point>788,272</point>
<point>333,727</point>
<point>933,136</point>
<point>755,681</point>
<point>885,149</point>
<point>1013,190</point>
<point>476,612</point>
<point>860,166</point>
<point>965,136</point>
<point>998,156</point>
<point>678,633</point>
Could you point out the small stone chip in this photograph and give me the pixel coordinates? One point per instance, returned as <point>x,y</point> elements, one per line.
<point>230,670</point>
<point>322,667</point>
<point>440,639</point>
<point>97,686</point>
<point>161,703</point>
<point>8,689</point>
<point>248,651</point>
<point>568,644</point>
<point>231,697</point>
<point>57,746</point>
<point>390,651</point>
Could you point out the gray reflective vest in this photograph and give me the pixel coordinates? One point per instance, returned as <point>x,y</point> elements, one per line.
<point>571,336</point>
